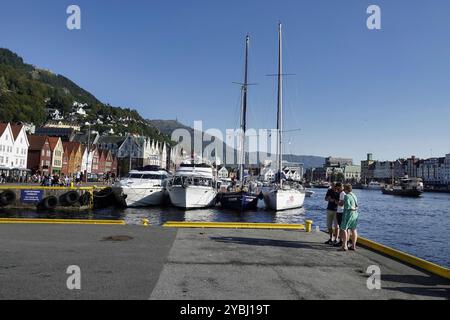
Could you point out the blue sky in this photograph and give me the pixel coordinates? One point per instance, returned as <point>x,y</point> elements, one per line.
<point>355,90</point>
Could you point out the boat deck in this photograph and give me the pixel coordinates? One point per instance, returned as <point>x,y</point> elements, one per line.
<point>169,263</point>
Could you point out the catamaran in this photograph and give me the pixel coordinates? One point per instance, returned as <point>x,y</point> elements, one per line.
<point>240,197</point>
<point>282,196</point>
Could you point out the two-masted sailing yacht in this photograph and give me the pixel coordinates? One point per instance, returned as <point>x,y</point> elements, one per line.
<point>240,197</point>
<point>282,196</point>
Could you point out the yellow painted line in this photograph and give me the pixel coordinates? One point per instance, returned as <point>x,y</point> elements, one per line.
<point>59,221</point>
<point>405,257</point>
<point>233,225</point>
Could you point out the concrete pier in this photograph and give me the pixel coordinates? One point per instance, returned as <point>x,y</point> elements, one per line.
<point>136,262</point>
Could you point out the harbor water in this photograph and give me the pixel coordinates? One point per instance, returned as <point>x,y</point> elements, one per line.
<point>416,226</point>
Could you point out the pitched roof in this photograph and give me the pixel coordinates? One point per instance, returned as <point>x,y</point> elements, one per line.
<point>36,142</point>
<point>53,142</point>
<point>71,147</point>
<point>3,127</point>
<point>16,129</point>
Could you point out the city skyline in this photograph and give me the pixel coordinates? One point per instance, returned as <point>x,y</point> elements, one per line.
<point>356,91</point>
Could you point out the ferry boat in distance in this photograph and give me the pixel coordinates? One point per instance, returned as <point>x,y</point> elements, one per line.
<point>193,185</point>
<point>373,185</point>
<point>142,188</point>
<point>406,187</point>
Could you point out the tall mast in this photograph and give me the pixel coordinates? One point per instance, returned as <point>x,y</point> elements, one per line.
<point>280,105</point>
<point>244,112</point>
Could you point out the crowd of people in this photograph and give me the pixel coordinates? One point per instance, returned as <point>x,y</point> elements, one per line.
<point>342,216</point>
<point>54,180</point>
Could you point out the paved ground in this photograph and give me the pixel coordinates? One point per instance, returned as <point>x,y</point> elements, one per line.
<point>34,260</point>
<point>163,263</point>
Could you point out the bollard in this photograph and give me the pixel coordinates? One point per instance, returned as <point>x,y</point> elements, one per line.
<point>145,222</point>
<point>308,225</point>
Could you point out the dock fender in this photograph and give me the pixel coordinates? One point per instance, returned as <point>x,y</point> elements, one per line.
<point>49,203</point>
<point>7,197</point>
<point>261,196</point>
<point>70,198</point>
<point>85,199</point>
<point>103,193</point>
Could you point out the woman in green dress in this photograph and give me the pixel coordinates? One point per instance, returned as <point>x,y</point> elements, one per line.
<point>349,219</point>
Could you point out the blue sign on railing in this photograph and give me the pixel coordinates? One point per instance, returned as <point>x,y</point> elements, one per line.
<point>31,196</point>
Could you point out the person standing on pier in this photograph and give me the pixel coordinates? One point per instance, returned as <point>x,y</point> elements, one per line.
<point>340,207</point>
<point>349,219</point>
<point>332,197</point>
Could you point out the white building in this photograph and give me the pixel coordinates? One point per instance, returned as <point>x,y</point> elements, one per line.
<point>20,147</point>
<point>6,147</point>
<point>86,164</point>
<point>268,174</point>
<point>352,173</point>
<point>223,173</point>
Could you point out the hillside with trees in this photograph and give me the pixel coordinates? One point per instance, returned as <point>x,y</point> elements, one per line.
<point>30,94</point>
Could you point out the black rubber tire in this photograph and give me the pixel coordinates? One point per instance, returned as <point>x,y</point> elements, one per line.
<point>104,193</point>
<point>70,198</point>
<point>7,198</point>
<point>85,199</point>
<point>49,203</point>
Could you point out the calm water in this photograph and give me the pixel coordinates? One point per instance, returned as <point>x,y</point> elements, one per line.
<point>417,226</point>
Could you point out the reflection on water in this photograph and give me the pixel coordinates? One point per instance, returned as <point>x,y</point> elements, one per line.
<point>417,226</point>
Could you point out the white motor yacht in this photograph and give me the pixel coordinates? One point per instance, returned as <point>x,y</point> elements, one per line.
<point>142,188</point>
<point>193,186</point>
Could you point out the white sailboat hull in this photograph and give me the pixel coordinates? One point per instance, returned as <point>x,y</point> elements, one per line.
<point>141,196</point>
<point>284,199</point>
<point>191,197</point>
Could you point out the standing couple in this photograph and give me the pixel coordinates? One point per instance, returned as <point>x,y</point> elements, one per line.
<point>342,216</point>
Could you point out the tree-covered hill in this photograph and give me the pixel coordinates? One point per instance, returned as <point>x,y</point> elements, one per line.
<point>29,94</point>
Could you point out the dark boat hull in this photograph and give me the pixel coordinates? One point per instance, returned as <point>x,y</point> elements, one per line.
<point>403,193</point>
<point>240,201</point>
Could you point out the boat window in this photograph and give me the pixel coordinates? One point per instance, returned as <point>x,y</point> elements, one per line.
<point>152,176</point>
<point>134,176</point>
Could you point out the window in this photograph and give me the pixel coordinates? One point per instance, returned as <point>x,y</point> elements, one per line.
<point>1,159</point>
<point>43,153</point>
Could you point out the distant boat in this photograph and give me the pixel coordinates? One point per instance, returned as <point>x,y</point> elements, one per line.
<point>240,197</point>
<point>406,187</point>
<point>282,196</point>
<point>309,193</point>
<point>322,185</point>
<point>373,185</point>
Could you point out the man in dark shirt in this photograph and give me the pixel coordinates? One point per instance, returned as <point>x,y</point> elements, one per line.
<point>332,197</point>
